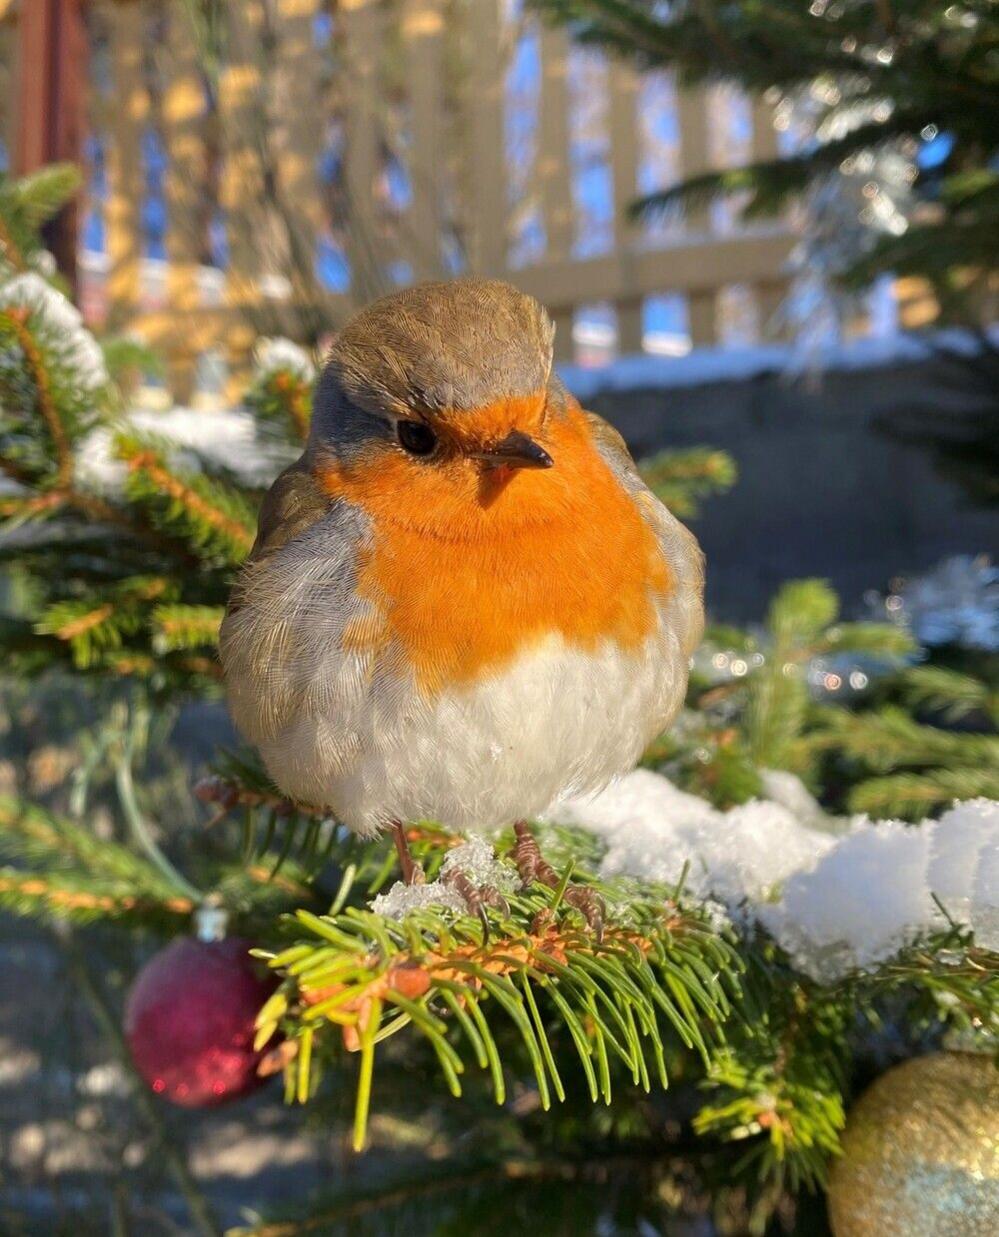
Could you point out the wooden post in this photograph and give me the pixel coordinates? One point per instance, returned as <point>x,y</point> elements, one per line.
<point>695,158</point>
<point>552,173</point>
<point>624,170</point>
<point>52,70</point>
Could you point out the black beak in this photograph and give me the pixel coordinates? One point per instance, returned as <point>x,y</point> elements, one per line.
<point>516,450</point>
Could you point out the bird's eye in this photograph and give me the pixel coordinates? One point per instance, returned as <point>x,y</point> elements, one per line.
<point>416,438</point>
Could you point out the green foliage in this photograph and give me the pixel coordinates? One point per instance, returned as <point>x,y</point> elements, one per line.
<point>28,202</point>
<point>954,696</point>
<point>763,716</point>
<point>932,67</point>
<point>75,876</point>
<point>211,517</point>
<point>683,479</point>
<point>866,752</point>
<point>281,400</point>
<point>125,586</point>
<point>656,968</point>
<point>122,579</point>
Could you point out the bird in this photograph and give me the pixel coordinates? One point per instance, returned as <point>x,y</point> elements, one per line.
<point>463,603</point>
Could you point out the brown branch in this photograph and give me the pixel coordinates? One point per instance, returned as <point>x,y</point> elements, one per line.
<point>76,627</point>
<point>77,900</point>
<point>412,976</point>
<point>294,395</point>
<point>9,248</point>
<point>31,506</point>
<point>15,471</point>
<point>172,486</point>
<point>46,405</point>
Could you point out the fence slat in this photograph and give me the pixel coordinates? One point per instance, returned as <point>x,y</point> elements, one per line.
<point>126,119</point>
<point>295,135</point>
<point>270,130</point>
<point>623,83</point>
<point>363,29</point>
<point>423,36</point>
<point>241,190</point>
<point>486,154</point>
<point>183,125</point>
<point>552,171</point>
<point>770,292</point>
<point>695,158</point>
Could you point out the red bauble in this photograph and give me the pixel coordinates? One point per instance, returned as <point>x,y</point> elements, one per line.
<point>189,1021</point>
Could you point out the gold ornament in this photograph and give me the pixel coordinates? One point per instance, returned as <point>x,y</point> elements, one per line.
<point>921,1153</point>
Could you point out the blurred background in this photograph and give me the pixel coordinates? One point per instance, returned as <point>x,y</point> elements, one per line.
<point>260,169</point>
<point>820,340</point>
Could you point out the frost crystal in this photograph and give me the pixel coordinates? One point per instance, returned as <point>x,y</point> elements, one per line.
<point>401,899</point>
<point>475,859</point>
<point>835,900</point>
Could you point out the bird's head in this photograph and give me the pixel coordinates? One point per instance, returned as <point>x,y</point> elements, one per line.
<point>444,388</point>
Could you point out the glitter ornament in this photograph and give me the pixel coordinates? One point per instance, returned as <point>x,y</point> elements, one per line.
<point>921,1153</point>
<point>189,1017</point>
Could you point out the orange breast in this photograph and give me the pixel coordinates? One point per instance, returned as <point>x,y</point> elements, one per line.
<point>468,570</point>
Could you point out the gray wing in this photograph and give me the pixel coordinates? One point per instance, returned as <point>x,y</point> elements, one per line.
<point>679,545</point>
<point>282,641</point>
<point>293,503</point>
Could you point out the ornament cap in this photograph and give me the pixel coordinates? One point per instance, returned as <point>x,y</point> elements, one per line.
<point>211,919</point>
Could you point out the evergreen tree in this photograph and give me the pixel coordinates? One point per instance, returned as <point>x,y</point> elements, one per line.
<point>683,1056</point>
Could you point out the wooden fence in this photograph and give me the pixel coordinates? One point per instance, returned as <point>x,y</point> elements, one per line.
<point>291,142</point>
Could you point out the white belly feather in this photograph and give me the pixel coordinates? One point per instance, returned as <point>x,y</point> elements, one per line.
<point>556,721</point>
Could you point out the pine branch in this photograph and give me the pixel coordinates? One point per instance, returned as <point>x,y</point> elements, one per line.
<point>283,399</point>
<point>913,796</point>
<point>178,626</point>
<point>889,739</point>
<point>17,321</point>
<point>954,696</point>
<point>51,842</point>
<point>682,479</point>
<point>215,519</point>
<point>370,976</point>
<point>55,897</point>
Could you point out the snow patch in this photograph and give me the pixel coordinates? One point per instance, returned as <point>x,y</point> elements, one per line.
<point>78,350</point>
<point>835,900</point>
<point>644,372</point>
<point>227,439</point>
<point>274,354</point>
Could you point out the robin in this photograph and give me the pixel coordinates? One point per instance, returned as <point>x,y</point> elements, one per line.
<point>462,603</point>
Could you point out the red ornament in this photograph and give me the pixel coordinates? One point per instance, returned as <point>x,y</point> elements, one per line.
<point>189,1021</point>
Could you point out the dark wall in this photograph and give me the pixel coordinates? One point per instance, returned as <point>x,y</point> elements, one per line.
<point>822,490</point>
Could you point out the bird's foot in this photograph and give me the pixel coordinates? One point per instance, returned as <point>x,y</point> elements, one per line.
<point>533,866</point>
<point>412,872</point>
<point>477,897</point>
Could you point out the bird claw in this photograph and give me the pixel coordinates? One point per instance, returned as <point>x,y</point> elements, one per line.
<point>532,866</point>
<point>477,898</point>
<point>590,905</point>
